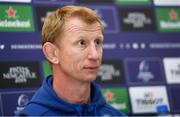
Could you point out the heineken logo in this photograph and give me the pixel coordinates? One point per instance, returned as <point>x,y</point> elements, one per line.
<point>117,97</point>
<point>173,15</point>
<point>168,19</point>
<point>16,18</point>
<point>109,96</point>
<point>146,2</point>
<point>11,13</point>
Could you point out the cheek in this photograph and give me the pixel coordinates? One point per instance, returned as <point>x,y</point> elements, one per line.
<point>100,53</point>
<point>75,60</point>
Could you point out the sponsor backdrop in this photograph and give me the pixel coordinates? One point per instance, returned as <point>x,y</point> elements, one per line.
<point>140,73</point>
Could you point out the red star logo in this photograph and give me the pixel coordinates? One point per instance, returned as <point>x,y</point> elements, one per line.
<point>11,12</point>
<point>109,96</point>
<point>173,15</point>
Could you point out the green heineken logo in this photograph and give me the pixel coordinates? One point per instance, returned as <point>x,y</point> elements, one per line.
<point>109,96</point>
<point>133,2</point>
<point>16,18</point>
<point>11,13</point>
<point>168,19</point>
<point>173,15</point>
<point>118,98</point>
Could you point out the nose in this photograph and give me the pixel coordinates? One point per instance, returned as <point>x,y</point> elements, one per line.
<point>93,52</point>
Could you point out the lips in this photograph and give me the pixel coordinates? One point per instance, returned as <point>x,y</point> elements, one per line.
<point>91,68</point>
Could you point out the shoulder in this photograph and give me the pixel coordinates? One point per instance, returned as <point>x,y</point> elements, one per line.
<point>111,111</point>
<point>34,110</point>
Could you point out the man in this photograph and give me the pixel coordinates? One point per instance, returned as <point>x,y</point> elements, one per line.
<point>72,43</point>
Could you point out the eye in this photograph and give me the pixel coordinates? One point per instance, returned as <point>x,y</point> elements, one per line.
<point>82,43</point>
<point>98,42</point>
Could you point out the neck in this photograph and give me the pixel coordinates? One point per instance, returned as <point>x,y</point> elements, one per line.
<point>70,90</point>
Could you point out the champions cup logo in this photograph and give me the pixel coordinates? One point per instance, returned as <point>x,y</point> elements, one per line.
<point>144,72</point>
<point>20,74</point>
<point>22,101</point>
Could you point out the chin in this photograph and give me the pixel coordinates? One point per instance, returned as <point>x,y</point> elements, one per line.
<point>90,79</point>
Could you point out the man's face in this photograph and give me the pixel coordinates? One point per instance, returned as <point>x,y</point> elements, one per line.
<point>80,52</point>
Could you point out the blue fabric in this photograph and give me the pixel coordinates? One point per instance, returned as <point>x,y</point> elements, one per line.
<point>45,102</point>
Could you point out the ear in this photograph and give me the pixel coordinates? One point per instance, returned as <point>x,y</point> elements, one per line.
<point>51,52</point>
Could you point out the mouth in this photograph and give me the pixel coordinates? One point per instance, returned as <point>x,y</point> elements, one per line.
<point>92,68</point>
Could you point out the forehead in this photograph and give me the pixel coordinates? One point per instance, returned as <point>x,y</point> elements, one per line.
<point>76,24</point>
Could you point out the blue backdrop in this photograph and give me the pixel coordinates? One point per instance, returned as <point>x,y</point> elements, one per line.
<point>141,59</point>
